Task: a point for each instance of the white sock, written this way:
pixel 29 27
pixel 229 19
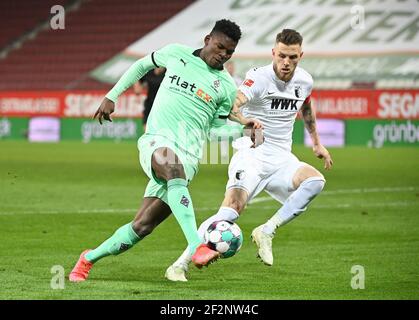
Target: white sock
pixel 295 204
pixel 224 213
pixel 184 259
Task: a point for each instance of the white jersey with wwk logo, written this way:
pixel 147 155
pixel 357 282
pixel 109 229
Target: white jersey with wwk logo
pixel 276 104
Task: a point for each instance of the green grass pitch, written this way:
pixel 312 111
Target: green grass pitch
pixel 59 199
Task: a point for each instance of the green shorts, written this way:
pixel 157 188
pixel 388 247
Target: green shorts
pixel 147 144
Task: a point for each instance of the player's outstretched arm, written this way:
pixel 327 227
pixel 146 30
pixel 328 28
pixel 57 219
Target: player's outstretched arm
pixel 253 127
pixel 131 76
pixel 309 117
pixel 236 116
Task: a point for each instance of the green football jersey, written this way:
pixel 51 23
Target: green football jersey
pixel 192 98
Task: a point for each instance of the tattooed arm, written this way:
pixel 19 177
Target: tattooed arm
pixel 235 114
pixel 309 117
pixel 253 127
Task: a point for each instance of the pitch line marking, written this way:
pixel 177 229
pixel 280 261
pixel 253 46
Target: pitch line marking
pixel 347 191
pixel 258 200
pixel 320 206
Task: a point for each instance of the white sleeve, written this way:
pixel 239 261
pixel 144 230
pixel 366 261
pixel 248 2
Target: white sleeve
pixel 252 86
pixel 309 87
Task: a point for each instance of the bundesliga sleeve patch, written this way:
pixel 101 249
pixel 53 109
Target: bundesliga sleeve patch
pixel 248 82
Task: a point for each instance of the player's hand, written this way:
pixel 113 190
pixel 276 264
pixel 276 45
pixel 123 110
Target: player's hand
pixel 322 153
pixel 253 123
pixel 257 137
pixel 254 129
pixel 105 110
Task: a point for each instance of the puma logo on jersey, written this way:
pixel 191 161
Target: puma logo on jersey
pixel 284 104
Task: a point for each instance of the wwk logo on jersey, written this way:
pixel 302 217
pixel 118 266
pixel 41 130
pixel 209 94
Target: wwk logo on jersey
pixel 284 104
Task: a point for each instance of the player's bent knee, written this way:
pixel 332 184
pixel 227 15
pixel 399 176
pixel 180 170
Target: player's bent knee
pixel 175 171
pixel 169 171
pixel 166 165
pixel 304 173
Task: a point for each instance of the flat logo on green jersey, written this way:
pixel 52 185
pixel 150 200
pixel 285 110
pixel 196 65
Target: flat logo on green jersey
pixel 192 87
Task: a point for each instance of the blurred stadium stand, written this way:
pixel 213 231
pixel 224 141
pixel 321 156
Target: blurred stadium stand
pixel 35 57
pixel 16 20
pixel 366 76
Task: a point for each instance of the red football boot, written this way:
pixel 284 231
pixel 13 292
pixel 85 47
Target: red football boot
pixel 81 270
pixel 204 255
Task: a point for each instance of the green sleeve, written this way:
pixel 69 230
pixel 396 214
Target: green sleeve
pixel 218 121
pixel 161 56
pixel 225 131
pixel 132 75
pixel 219 126
pixel 157 59
pixel 221 115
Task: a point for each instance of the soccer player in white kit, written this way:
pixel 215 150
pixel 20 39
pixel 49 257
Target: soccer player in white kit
pixel 273 94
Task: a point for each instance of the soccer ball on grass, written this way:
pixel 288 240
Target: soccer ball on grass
pixel 225 237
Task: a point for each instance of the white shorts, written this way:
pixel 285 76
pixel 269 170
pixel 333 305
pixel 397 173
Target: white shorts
pixel 253 171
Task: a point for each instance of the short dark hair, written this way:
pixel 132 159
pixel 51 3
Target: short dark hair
pixel 229 28
pixel 289 37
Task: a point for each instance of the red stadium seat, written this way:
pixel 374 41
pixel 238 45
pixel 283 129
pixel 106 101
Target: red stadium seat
pixel 94 33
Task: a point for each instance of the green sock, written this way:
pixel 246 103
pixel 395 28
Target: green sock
pixel 181 204
pixel 123 239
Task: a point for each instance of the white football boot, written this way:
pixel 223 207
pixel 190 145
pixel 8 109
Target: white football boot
pixel 264 244
pixel 177 272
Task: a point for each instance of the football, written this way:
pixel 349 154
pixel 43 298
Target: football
pixel 225 237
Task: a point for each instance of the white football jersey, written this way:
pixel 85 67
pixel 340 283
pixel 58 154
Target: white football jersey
pixel 275 103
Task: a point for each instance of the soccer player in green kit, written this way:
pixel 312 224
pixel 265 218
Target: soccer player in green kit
pixel 195 95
